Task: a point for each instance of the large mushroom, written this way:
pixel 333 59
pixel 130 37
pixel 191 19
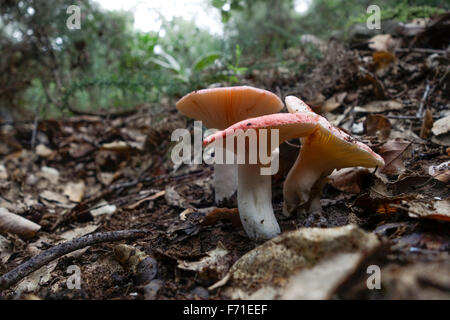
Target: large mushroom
pixel 327 148
pixel 219 108
pixel 254 188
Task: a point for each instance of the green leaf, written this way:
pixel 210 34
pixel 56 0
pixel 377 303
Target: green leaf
pixel 206 60
pixel 169 63
pixel 225 16
pixel 218 3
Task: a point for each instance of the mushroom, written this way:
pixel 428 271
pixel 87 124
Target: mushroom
pixel 254 188
pixel 327 148
pixel 219 108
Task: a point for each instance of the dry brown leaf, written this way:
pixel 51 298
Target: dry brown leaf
pixel 15 224
pixel 173 198
pixel 440 172
pixel 382 60
pixel 212 267
pixel 377 86
pixel 427 124
pixel 377 125
pixel 80 150
pixel 394 152
pixel 3 173
pixel 349 179
pixel 219 214
pixel 43 151
pixel 53 197
pixel 6 249
pixel 380 106
pixel 334 102
pixel 436 209
pixel 75 191
pixel 38 278
pixel 441 126
pixel 51 174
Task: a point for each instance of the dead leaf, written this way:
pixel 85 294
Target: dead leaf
pixel 334 102
pixel 427 124
pixel 75 191
pixel 103 208
pixel 80 150
pixel 437 209
pixel 440 172
pixel 380 106
pixel 394 152
pixel 15 224
pixel 43 151
pixel 441 126
pixel 35 280
pixel 218 214
pixel 106 178
pixel 349 179
pixel 273 270
pixel 3 173
pixel 173 198
pixel 321 281
pixel 212 267
pixel 78 232
pixel 6 250
pixel 53 197
pixel 382 61
pixel 51 174
pixel 377 86
pixel 377 125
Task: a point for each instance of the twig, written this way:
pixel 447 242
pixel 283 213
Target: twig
pixel 409 117
pixel 421 50
pixel 398 155
pixel 21 271
pixel 35 127
pixel 419 113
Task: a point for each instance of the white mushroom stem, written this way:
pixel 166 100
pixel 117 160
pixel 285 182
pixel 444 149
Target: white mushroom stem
pixel 225 181
pixel 303 185
pixel 255 202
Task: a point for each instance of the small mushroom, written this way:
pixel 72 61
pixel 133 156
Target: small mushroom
pixel 219 108
pixel 254 189
pixel 327 148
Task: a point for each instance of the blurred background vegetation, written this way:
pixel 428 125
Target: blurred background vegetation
pixel 49 70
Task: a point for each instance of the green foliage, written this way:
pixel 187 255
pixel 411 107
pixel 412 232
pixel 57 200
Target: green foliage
pixel 187 75
pixel 47 68
pixel 402 12
pixel 235 69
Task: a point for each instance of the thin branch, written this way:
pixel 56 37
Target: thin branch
pixel 21 271
pixel 419 113
pixel 421 50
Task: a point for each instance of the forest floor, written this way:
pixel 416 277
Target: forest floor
pixel 107 172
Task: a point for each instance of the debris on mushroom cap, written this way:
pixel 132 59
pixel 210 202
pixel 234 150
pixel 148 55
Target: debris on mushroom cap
pixel 291 125
pixel 220 108
pixel 338 143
